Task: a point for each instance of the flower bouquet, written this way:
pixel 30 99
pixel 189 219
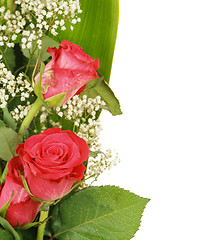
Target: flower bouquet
pixel 55 63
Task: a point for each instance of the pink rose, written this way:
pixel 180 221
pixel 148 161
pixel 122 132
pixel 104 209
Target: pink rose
pixel 22 209
pixel 69 69
pixel 52 162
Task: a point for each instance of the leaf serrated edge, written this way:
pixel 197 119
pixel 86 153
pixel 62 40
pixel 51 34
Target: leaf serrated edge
pixel 108 186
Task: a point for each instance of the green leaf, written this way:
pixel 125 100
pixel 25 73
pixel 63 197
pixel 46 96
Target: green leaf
pixel 29 225
pixel 105 212
pixel 4 235
pixel 29 234
pixel 98 87
pixel 37 89
pixel 25 184
pixel 10 58
pixel 47 42
pixel 56 100
pixel 9 228
pixel 8 119
pixel 9 140
pixel 41 53
pixel 97 31
pixel 2 124
pixel 4 208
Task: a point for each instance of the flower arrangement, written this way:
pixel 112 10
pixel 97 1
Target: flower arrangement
pixel 52 92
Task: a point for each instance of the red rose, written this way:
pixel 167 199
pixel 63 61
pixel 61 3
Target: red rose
pixel 69 69
pixel 52 162
pixel 22 209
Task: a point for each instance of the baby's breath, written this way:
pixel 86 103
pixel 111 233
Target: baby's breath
pixel 33 18
pixel 12 87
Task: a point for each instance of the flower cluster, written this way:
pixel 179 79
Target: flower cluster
pixel 12 86
pixel 33 19
pixel 81 112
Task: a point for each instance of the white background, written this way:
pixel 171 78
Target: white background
pixel 158 76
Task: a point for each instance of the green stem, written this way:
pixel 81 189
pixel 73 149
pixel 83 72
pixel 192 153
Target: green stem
pixel 41 228
pixel 31 114
pixel 26 122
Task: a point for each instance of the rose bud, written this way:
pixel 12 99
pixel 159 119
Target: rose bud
pixel 22 209
pixel 52 162
pixel 68 71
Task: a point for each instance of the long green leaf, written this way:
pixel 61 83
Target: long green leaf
pixel 105 212
pixel 97 31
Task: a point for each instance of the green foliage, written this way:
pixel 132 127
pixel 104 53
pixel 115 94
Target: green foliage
pixel 97 32
pixel 56 100
pixel 2 124
pixel 105 212
pixel 100 87
pixel 4 235
pixel 9 140
pixel 29 234
pixel 8 119
pixel 9 229
pixel 9 57
pixel 47 42
pixel 42 53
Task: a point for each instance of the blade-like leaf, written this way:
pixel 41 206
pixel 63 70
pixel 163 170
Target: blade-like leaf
pixel 97 31
pixel 9 141
pixel 106 212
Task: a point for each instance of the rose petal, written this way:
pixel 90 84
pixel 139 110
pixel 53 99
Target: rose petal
pixel 22 213
pixel 49 190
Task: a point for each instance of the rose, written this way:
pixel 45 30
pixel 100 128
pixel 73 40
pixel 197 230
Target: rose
pixel 69 70
pixel 52 162
pixel 22 209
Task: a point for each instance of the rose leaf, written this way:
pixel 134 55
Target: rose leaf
pixel 9 57
pixel 98 87
pixel 2 124
pixel 42 53
pixel 5 235
pixel 8 119
pixel 9 229
pixel 105 212
pixel 9 140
